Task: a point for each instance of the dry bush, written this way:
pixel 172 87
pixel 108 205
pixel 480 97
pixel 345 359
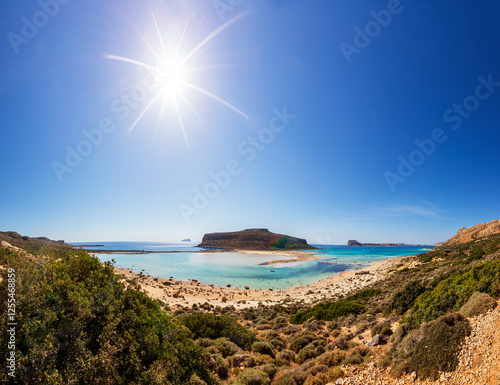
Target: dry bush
pixel 478 303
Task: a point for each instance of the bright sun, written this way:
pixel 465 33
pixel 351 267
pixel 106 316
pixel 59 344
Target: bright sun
pixel 170 74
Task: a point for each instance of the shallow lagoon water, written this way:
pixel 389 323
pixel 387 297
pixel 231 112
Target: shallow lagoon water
pixel 232 268
pixel 239 270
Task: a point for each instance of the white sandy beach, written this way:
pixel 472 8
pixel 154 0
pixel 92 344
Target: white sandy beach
pixel 188 293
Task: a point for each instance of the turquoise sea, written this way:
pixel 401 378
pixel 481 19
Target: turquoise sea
pixel 239 270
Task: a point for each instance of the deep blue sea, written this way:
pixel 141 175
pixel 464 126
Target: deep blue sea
pixel 239 270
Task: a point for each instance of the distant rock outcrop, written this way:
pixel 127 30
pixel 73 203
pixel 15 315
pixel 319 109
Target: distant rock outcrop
pixel 253 239
pixel 466 234
pixel 356 243
pixel 186 240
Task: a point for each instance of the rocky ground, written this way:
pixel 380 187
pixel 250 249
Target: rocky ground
pixel 479 360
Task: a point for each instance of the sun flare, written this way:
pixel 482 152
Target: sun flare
pixel 170 76
pixel 170 72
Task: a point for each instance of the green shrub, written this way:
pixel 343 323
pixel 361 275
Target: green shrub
pixel 335 373
pixel 453 292
pixel 329 311
pixel 251 377
pixel 278 343
pixel 221 366
pixel 270 335
pixel 355 359
pixel 313 325
pixel 298 343
pixel 290 329
pixel 263 348
pixel 331 358
pixel 493 247
pixel 399 334
pixel 478 303
pixel 225 347
pixel 211 326
pixel 288 376
pixel 245 359
pixel 308 352
pixel 341 342
pixel 383 328
pixel 331 326
pixel 196 380
pixel 364 294
pixel 439 347
pixel 320 379
pixel 475 254
pixel 78 324
pixel 280 322
pixel 270 370
pixel 288 355
pixel 405 298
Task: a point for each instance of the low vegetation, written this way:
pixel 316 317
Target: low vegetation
pixel 329 311
pixel 76 323
pixel 81 323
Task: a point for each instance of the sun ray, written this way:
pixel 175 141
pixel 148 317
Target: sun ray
pixel 131 61
pixel 140 35
pixel 216 98
pixel 180 121
pixel 212 35
pixel 181 39
pixel 192 109
pixel 159 36
pixel 197 69
pixel 145 110
pixel 160 115
pixel 169 72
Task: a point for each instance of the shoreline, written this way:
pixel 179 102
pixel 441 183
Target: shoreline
pixel 192 292
pixel 295 255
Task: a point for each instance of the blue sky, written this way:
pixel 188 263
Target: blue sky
pixel 374 120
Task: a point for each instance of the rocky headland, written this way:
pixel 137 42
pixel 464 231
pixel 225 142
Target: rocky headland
pixel 254 239
pixel 467 234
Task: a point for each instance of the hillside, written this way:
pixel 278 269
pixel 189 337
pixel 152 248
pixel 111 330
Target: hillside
pixel 253 239
pixel 466 234
pixel 31 244
pixel 76 322
pixel 421 322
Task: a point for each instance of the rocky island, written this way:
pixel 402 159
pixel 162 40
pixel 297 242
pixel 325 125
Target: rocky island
pixel 254 239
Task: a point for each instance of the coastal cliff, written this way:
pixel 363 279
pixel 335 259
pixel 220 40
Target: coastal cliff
pixel 466 234
pixel 254 239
